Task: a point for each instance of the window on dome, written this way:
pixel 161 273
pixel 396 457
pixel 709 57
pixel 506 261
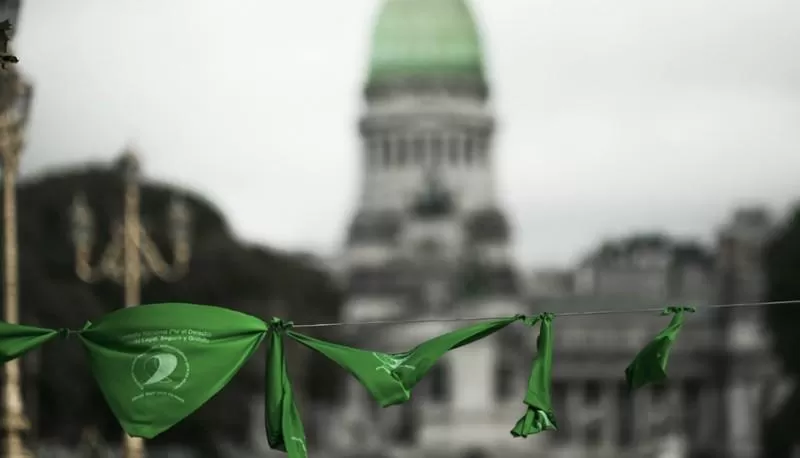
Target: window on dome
pixel 592 392
pixel 504 388
pixel 481 152
pixel 453 150
pixel 372 152
pixel 560 392
pixel 659 393
pixel 387 152
pixel 594 433
pixel 475 453
pixel 439 383
pixel 436 150
pixel 469 150
pixel 693 415
pixel 402 151
pixel 627 415
pixel 406 433
pixel 428 248
pixel 419 150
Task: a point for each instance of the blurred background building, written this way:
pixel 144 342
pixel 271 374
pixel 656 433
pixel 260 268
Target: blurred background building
pixel 429 240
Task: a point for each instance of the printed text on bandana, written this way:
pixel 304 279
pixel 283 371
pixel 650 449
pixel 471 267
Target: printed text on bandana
pixel 163 368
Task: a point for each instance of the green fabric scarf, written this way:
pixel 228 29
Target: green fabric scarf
pixel 650 365
pixel 284 427
pixel 539 415
pixel 390 377
pixel 16 339
pixel 156 364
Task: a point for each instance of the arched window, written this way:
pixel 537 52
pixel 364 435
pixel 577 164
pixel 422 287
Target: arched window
pixel 419 150
pixel 387 152
pixel 627 415
pixel 475 453
pixel 692 414
pixel 437 150
pixel 406 432
pixel 440 389
pixel 453 150
pixel 402 150
pixel 372 152
pixel 504 380
pixel 659 392
pixel 594 433
pixel 592 392
pixel 469 150
pixel 559 392
pixel 481 150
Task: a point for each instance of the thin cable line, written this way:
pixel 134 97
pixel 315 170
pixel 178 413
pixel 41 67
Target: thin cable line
pixel 585 313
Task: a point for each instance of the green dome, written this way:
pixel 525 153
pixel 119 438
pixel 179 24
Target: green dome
pixel 425 37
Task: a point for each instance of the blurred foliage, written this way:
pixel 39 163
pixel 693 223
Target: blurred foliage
pixel 61 395
pixel 783 283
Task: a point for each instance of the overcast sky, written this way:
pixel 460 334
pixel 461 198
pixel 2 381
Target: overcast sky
pixel 613 116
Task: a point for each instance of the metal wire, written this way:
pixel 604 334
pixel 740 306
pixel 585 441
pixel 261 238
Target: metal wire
pixel 584 313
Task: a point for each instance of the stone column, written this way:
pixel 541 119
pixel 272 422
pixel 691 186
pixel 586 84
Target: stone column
pixel 354 396
pixel 575 407
pixel 743 405
pixel 738 419
pixel 457 163
pixel 393 181
pixel 369 168
pixel 610 406
pixel 642 402
pixel 357 416
pixel 258 441
pixel 674 412
pixel 706 412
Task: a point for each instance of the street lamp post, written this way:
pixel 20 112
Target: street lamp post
pixel 12 125
pixel 6 56
pixel 92 445
pixel 131 256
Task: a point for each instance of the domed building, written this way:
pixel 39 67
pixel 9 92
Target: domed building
pixel 429 239
pixel 428 194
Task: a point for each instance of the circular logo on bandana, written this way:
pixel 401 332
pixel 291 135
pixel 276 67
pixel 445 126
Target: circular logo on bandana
pixel 159 371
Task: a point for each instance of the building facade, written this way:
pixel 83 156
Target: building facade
pixel 751 385
pixel 429 240
pixel 711 405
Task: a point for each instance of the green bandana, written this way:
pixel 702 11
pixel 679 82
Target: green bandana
pixel 156 364
pixel 284 427
pixel 650 365
pixel 16 339
pixel 539 415
pixel 390 377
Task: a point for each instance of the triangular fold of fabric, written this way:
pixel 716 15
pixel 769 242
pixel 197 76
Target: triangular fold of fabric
pixel 650 364
pixel 17 339
pixel 390 377
pixel 156 364
pixel 539 415
pixel 284 426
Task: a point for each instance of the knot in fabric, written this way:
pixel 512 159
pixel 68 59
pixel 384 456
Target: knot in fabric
pixel 674 310
pixel 532 320
pixel 280 326
pixel 547 316
pixel 65 333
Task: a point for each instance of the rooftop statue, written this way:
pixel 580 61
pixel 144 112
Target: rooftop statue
pixel 6 31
